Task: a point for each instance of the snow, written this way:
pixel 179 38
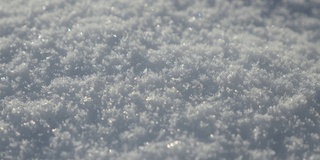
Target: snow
pixel 182 79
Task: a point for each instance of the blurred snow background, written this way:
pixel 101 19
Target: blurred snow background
pixel 144 79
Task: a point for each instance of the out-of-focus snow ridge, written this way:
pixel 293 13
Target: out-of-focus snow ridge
pixel 159 80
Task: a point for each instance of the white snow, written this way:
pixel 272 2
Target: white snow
pixel 180 79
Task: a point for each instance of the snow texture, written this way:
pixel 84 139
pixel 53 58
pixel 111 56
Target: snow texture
pixel 144 79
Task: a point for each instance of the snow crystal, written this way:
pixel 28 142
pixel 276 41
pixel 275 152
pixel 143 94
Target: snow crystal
pixel 145 79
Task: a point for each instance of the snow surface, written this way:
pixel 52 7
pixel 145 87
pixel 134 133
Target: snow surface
pixel 144 79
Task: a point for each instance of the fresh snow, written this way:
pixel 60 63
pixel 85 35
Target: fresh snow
pixel 143 79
